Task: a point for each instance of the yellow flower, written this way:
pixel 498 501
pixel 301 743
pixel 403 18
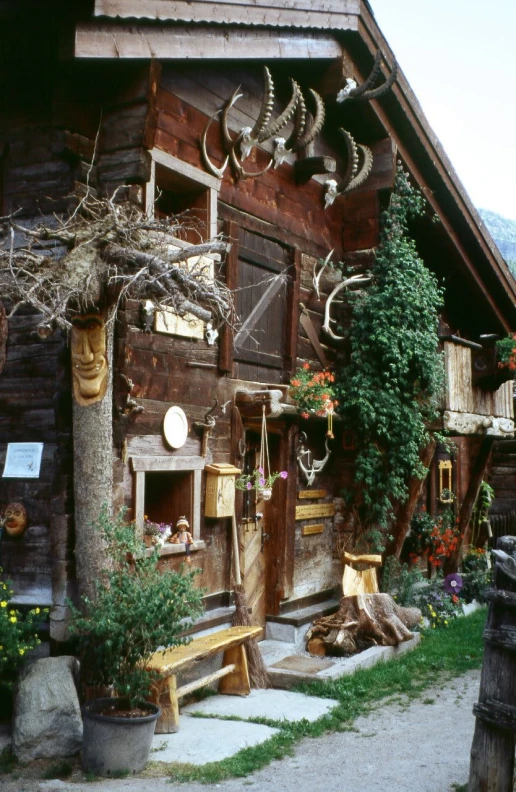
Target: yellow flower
pixel 446 621
pixel 21 651
pixel 37 610
pixel 13 619
pixel 3 604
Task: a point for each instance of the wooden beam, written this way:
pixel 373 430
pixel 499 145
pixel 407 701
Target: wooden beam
pixel 103 40
pixel 406 511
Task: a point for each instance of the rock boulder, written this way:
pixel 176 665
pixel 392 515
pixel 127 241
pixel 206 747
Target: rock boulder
pixel 47 719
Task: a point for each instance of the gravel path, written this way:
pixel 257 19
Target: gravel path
pixel 403 746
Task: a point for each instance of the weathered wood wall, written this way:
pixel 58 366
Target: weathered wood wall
pixel 35 406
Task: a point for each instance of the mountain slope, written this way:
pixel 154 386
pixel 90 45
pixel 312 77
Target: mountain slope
pixel 503 232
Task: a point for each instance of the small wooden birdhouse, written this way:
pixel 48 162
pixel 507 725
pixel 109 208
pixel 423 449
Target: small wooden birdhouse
pixel 220 489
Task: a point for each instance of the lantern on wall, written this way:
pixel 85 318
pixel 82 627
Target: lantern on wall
pixel 445 481
pixel 220 489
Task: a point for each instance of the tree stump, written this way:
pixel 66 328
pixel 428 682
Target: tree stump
pixel 362 621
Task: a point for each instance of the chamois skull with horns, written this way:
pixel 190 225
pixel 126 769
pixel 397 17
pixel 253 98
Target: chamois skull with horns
pixel 265 128
pixel 359 161
pixel 367 91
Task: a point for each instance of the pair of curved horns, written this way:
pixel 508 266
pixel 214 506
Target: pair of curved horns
pixel 354 175
pixel 367 90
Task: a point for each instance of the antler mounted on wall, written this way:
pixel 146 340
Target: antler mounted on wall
pixel 358 167
pixel 367 91
pixel 238 148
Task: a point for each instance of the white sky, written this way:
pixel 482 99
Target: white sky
pixel 459 57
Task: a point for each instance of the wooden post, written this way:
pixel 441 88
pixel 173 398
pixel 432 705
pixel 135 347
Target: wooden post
pixel 492 749
pixel 164 694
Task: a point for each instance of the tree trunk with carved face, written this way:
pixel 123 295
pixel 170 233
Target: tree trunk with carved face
pixel 92 375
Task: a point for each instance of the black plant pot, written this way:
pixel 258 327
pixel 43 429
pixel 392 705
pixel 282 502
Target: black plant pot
pixel 113 745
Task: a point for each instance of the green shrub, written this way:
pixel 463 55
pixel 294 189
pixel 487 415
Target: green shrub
pixel 137 609
pixel 18 634
pixel 400 580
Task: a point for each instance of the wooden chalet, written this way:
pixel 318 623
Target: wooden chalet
pixel 153 94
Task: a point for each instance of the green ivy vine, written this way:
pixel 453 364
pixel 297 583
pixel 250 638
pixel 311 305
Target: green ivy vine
pixel 390 390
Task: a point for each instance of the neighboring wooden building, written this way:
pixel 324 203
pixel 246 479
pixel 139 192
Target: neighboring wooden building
pixel 114 93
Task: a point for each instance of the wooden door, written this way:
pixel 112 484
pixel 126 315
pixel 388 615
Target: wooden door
pixel 258 538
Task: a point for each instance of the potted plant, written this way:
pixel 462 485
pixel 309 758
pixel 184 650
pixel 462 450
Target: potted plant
pixel 137 609
pixel 155 533
pixel 313 393
pixel 259 481
pixel 506 353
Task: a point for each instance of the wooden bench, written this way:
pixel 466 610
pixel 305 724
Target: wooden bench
pixel 233 676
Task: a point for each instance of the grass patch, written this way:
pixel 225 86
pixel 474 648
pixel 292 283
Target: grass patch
pixel 7 761
pixel 442 655
pixel 61 769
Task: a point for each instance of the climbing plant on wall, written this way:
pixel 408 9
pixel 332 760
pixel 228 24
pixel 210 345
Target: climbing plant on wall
pixel 389 392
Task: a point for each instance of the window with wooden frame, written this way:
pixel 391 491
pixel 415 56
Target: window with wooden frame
pixel 177 188
pixel 263 275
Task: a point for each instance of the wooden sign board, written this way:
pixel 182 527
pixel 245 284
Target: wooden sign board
pixel 308 530
pixel 312 494
pixel 314 510
pixel 170 323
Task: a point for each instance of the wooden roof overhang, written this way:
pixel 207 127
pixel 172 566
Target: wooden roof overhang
pixel 173 29
pixel 402 117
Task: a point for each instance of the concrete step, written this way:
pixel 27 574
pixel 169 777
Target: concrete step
pixel 288 665
pixel 292 627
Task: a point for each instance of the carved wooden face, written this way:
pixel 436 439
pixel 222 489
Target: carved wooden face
pixel 89 363
pixel 15 516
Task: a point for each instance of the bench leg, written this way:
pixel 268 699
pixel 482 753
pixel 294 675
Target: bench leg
pixel 163 694
pixel 236 683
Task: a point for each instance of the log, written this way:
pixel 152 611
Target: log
pixel 362 621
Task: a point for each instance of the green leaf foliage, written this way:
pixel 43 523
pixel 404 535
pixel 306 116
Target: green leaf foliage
pixel 390 390
pixel 137 609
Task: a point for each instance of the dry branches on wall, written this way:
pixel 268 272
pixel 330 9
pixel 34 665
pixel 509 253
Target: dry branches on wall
pixel 103 252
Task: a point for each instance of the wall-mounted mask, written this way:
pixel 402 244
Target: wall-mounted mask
pixel 89 363
pixel 15 519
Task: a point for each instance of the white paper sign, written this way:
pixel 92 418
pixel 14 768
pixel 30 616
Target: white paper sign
pixel 23 460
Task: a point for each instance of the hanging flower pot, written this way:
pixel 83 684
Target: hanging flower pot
pixel 265 493
pixel 261 479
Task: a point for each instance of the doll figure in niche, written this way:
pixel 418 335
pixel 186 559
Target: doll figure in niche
pixel 183 536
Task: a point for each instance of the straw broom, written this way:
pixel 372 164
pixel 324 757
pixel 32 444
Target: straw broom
pixel 258 675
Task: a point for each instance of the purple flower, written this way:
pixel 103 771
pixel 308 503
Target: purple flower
pixel 262 482
pixel 260 470
pixel 452 583
pixel 284 474
pixel 249 485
